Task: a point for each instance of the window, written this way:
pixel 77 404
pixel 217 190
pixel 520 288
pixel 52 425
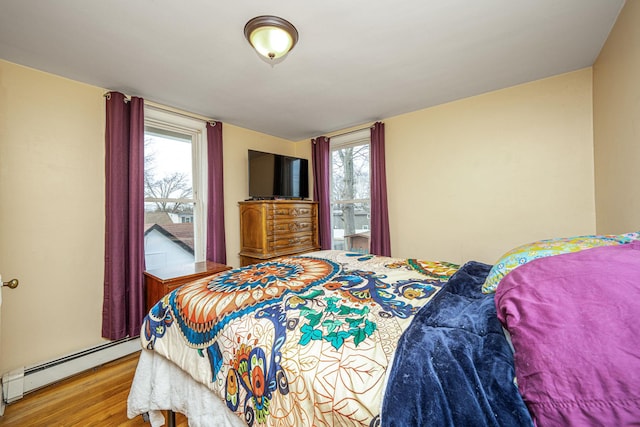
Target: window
pixel 174 187
pixel 350 191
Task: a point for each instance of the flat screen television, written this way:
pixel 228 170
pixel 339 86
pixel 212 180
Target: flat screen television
pixel 275 176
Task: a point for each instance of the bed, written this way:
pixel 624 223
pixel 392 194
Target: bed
pixel 334 338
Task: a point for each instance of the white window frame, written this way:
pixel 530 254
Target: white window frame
pixel 349 139
pixel 197 130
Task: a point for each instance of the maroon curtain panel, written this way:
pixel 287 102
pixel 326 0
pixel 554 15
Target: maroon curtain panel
pixel 216 246
pixel 123 305
pixel 380 240
pixel 320 152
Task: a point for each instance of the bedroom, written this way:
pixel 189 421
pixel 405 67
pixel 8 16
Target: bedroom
pixel 582 125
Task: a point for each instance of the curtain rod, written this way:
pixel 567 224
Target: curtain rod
pixel 350 132
pixel 171 110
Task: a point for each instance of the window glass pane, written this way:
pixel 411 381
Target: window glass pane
pixel 169 205
pixel 350 172
pixel 350 198
pixel 168 171
pixel 167 241
pixel 350 222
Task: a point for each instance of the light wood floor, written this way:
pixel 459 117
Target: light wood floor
pixel 94 398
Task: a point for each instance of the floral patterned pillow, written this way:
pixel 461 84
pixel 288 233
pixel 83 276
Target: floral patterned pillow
pixel 543 248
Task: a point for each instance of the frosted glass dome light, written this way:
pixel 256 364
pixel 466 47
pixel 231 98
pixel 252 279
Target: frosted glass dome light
pixel 271 36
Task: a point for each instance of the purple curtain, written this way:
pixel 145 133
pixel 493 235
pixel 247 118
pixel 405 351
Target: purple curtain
pixel 216 247
pixel 124 298
pixel 380 241
pixel 320 152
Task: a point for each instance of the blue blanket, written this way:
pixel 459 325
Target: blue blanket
pixel 453 365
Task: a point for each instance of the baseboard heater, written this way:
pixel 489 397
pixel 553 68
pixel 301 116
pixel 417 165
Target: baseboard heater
pixel 21 381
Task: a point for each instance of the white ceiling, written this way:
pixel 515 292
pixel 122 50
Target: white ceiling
pixel 357 61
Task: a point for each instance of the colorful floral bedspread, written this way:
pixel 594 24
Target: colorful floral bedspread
pixel 298 341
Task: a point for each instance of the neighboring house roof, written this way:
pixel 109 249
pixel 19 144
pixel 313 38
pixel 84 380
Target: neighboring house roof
pixel 162 218
pixel 181 234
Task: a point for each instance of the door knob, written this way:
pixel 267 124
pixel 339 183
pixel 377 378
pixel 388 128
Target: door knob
pixel 12 284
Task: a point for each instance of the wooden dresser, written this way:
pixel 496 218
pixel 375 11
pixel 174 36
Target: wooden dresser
pixel 273 228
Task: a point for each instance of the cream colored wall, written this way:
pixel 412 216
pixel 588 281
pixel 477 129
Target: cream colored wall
pixel 51 214
pixel 470 179
pixel 237 141
pixel 616 100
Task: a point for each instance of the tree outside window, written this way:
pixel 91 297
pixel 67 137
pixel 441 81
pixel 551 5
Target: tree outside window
pixel 167 174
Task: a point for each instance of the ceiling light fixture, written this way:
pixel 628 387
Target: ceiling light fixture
pixel 272 37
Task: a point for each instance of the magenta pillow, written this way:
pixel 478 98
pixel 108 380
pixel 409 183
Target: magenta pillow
pixel 574 321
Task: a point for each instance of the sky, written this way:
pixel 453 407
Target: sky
pixel 169 155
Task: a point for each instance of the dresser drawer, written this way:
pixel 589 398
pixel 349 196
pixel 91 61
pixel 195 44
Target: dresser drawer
pixel 289 211
pixel 294 241
pixel 280 227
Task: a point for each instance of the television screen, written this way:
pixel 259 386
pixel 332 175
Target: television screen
pixel 277 176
